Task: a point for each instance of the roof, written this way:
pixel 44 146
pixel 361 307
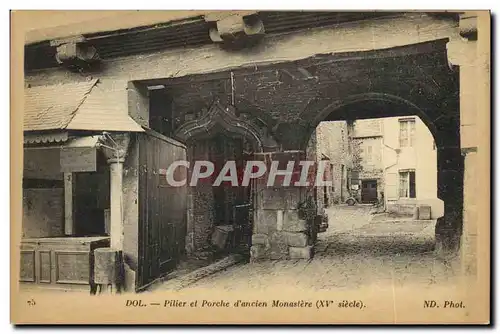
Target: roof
pixel 137 32
pixel 77 106
pixel 53 107
pixel 43 25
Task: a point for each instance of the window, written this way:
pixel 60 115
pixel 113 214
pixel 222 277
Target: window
pixel 406 132
pixel 369 154
pixel 407 184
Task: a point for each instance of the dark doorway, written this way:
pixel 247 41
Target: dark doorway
pixel 369 191
pixel 412 185
pixel 231 203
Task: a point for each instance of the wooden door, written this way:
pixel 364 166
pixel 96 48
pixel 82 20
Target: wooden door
pixel 369 191
pixel 162 209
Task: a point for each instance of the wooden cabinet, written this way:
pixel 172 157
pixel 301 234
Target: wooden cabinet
pixel 60 263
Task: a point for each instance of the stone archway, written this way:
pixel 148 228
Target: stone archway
pixel 413 78
pixel 450 164
pixel 326 112
pixel 220 135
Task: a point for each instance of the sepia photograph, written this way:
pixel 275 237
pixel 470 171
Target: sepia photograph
pixel 250 167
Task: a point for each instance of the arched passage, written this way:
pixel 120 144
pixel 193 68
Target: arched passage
pixel 219 217
pixel 448 167
pixel 286 100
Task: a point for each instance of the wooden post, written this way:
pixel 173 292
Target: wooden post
pixel 69 227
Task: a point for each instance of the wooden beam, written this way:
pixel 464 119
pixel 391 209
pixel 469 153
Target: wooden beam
pixel 71 39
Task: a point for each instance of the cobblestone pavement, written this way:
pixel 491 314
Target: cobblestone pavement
pixel 356 250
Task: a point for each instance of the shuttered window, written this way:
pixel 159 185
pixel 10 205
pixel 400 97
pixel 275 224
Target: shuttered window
pixel 406 132
pixel 407 186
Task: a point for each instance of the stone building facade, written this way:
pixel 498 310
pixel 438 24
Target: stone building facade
pixel 394 156
pixel 329 142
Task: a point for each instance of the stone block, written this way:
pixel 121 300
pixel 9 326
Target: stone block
pixel 129 278
pixel 278 246
pixel 300 252
pixel 272 198
pixel 279 220
pixel 258 252
pixel 292 222
pixel 293 239
pixel 260 239
pixel 190 248
pixel 468 136
pixel 265 221
pixel 292 197
pixel 424 212
pixel 279 198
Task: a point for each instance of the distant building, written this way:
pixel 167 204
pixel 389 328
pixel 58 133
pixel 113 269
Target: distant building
pixel 410 163
pixel 391 158
pixel 366 177
pixel 329 142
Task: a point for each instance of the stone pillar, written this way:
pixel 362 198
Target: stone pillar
pixel 280 231
pixel 450 191
pixel 116 205
pixel 471 54
pixel 115 151
pixel 468 251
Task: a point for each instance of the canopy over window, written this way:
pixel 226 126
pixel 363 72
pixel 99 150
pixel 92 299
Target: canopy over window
pixel 78 154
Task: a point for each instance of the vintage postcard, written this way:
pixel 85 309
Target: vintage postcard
pixel 250 167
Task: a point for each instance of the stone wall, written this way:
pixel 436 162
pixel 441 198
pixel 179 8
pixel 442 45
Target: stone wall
pixel 280 230
pixel 131 214
pixel 209 206
pixel 43 213
pixel 332 142
pixel 200 204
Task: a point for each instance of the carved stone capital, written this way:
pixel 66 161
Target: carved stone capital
pixel 75 52
pixel 461 53
pixel 233 27
pixel 115 147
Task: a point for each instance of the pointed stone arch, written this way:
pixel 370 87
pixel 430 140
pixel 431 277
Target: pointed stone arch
pixel 223 120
